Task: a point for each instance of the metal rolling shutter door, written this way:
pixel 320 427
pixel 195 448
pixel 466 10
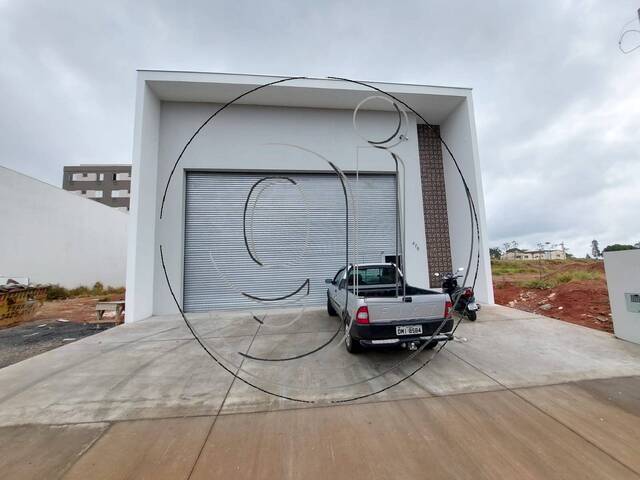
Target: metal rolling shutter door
pixel 297 236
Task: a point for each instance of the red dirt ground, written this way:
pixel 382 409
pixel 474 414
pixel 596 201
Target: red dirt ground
pixel 78 310
pixel 57 323
pixel 581 302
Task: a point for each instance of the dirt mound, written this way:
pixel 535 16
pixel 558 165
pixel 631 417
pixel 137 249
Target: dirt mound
pixel 582 302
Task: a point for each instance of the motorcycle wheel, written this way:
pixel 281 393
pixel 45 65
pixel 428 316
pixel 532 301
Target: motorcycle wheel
pixel 471 315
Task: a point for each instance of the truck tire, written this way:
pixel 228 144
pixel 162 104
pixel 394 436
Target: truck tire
pixel 472 315
pixel 330 310
pixel 353 345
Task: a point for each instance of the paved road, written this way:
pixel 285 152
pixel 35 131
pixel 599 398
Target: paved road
pixel 33 338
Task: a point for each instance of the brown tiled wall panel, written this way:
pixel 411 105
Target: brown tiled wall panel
pixel 434 200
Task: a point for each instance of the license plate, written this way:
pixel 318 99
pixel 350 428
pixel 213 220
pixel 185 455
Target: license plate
pixel 472 307
pixel 409 330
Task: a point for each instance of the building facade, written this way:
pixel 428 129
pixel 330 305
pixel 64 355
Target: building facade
pixel 106 184
pixel 249 204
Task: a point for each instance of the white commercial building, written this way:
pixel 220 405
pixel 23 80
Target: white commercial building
pixel 246 202
pixel 52 236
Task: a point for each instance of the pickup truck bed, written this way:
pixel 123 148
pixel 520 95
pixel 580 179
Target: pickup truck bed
pixel 377 292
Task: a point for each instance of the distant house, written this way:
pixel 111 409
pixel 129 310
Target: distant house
pixel 519 254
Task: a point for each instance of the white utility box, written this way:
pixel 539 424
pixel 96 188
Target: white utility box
pixel 633 302
pixel 623 281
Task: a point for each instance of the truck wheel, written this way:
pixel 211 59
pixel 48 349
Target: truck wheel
pixel 472 315
pixel 353 345
pixel 330 310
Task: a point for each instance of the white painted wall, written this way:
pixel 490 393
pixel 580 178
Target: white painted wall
pixel 239 141
pixel 623 276
pixel 141 259
pixel 458 131
pixel 54 236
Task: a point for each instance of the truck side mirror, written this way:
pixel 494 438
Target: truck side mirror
pixel 328 281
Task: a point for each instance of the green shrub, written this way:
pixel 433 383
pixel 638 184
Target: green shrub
pixel 508 267
pixel 561 278
pixel 565 277
pixel 56 292
pixel 539 284
pixel 581 275
pixel 81 291
pixel 115 290
pixel 576 276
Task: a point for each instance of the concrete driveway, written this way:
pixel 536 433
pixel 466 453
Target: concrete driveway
pixel 514 396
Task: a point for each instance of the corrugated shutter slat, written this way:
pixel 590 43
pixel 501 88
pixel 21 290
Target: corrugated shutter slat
pixel 213 230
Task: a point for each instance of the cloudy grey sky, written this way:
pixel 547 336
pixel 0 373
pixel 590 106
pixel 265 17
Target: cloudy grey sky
pixel 557 104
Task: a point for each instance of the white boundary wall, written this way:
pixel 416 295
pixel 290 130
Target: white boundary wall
pixel 53 236
pixel 623 276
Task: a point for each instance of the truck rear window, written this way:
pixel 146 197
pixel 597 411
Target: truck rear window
pixel 382 275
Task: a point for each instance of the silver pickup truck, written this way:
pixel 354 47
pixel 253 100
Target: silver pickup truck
pixel 379 309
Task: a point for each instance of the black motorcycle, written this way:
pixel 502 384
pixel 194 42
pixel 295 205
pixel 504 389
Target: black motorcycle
pixel 461 297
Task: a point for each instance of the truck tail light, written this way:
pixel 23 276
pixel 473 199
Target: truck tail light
pixel 362 317
pixel 447 308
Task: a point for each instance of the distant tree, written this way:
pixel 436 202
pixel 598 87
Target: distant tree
pixel 510 246
pixel 595 249
pixel 616 247
pixel 565 250
pixel 495 253
pixel 636 245
pixel 587 256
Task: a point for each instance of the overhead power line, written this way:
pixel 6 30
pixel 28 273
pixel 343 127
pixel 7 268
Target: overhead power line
pixel 626 30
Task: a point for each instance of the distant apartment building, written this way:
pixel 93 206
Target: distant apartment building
pixel 107 184
pixel 518 254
